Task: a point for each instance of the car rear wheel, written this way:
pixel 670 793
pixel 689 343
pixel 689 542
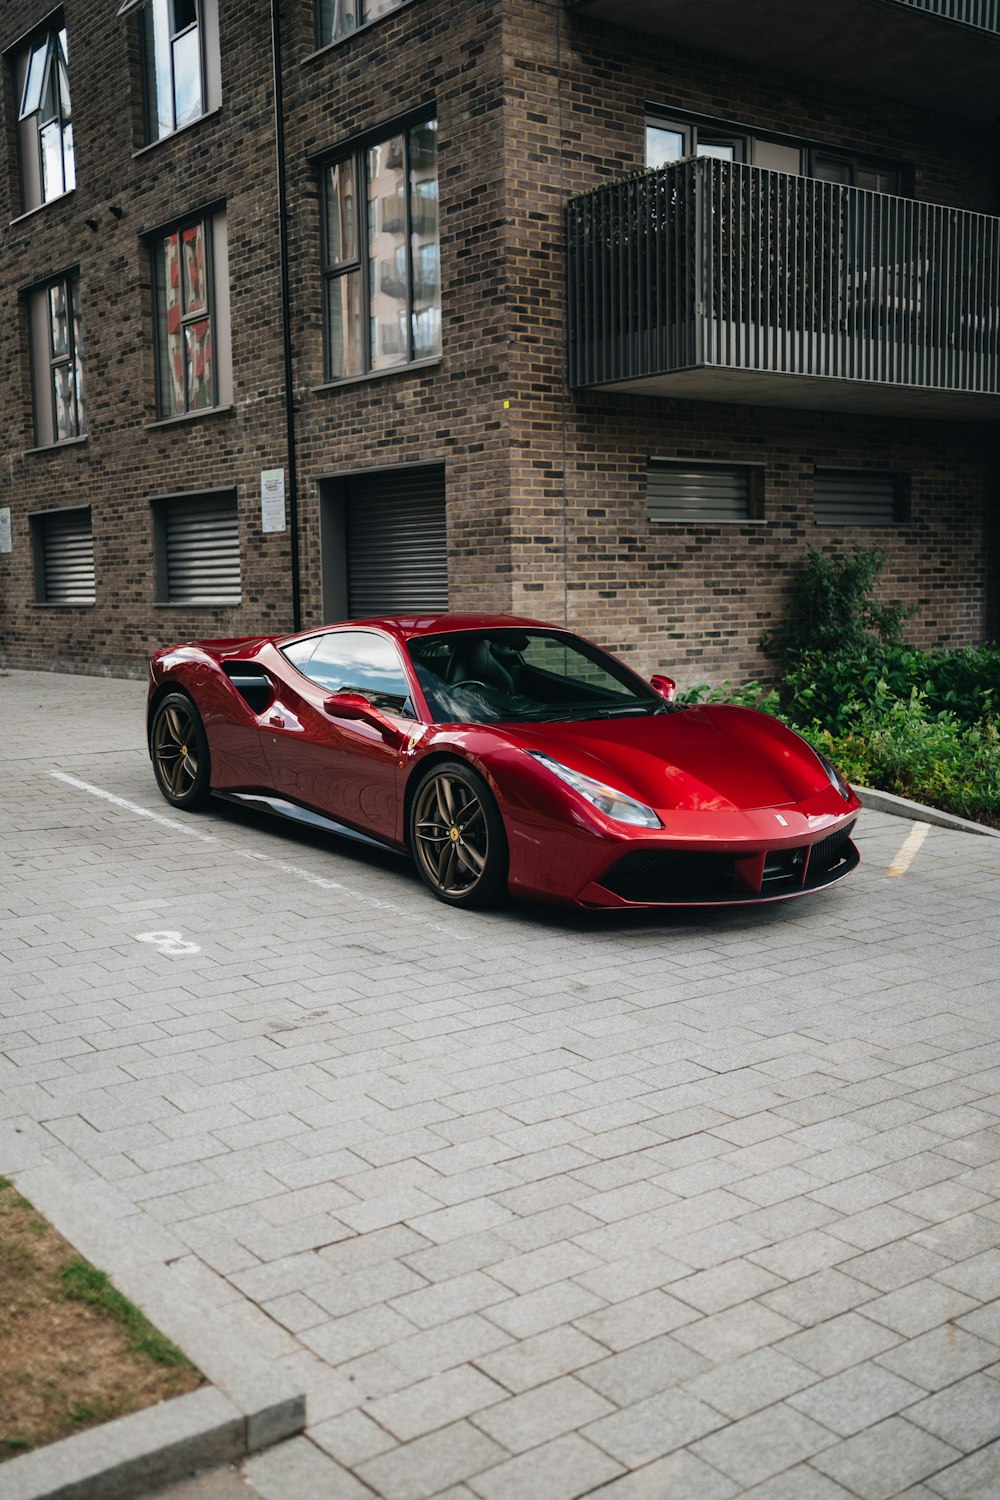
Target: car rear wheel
pixel 457 837
pixel 179 748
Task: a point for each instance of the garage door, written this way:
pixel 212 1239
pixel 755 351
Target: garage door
pixel 397 556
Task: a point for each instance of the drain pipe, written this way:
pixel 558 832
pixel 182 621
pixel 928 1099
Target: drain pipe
pixel 286 325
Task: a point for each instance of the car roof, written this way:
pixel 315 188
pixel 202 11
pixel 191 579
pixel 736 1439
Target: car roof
pixel 406 627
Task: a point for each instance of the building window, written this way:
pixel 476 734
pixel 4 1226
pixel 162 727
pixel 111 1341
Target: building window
pixel 702 493
pixel 179 55
pixel 56 337
pixel 669 140
pixel 63 546
pixel 191 301
pixel 860 497
pixel 336 19
pixel 45 126
pixel 197 544
pixel 381 254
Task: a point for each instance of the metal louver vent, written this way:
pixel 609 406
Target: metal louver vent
pixel 698 492
pixel 67 544
pixel 397 552
pixel 842 498
pixel 201 541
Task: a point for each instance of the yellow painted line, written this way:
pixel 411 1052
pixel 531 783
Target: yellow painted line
pixel 907 853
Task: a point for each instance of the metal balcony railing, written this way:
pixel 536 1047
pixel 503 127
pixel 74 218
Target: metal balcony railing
pixel 984 13
pixel 712 263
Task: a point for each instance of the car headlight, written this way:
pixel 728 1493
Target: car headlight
pixel 608 801
pixel 833 775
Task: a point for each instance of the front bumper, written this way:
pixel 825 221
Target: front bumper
pixel 701 859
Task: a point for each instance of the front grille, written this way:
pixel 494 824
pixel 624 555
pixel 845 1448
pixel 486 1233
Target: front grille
pixel 829 852
pixel 651 875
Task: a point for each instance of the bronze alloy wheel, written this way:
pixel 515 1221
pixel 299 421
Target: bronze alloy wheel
pixel 180 751
pixel 457 837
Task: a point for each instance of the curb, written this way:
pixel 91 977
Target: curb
pixel 250 1403
pixel 902 807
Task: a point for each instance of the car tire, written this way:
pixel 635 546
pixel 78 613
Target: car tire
pixel 179 749
pixel 457 836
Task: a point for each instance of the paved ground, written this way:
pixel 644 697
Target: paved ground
pixel 537 1206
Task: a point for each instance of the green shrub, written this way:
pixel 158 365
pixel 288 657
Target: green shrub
pixel 832 609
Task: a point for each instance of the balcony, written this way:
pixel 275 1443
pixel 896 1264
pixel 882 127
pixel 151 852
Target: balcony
pixel 938 55
pixel 710 280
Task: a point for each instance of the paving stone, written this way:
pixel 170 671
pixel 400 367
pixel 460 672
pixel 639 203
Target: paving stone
pixel 634 1321
pixel 940 1357
pixel 920 1305
pixel 417 1470
pixel 298 1470
pixel 760 1445
pixel 973 1478
pixel 537 1360
pixel 678 1475
pixel 745 1385
pixel 856 1398
pixel 643 1370
pixel 543 1413
pixel 885 1459
pixel 436 1402
pixel 966 1415
pixel 648 1429
pixel 561 1470
pixel 839 1344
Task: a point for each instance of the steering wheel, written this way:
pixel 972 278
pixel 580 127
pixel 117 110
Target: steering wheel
pixel 471 682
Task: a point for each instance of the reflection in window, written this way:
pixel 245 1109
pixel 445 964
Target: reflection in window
pixel 382 285
pixel 356 661
pixel 44 120
pixel 57 362
pixel 172 65
pixel 182 271
pixel 338 18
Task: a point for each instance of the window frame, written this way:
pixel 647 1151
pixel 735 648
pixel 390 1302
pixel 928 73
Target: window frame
pixel 901 496
pixel 322 43
pixel 355 152
pixel 159 507
pixel 692 126
pixel 44 361
pixel 52 35
pixel 213 222
pixel 38 521
pixel 755 474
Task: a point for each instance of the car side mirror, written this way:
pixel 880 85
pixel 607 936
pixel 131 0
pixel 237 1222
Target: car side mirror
pixel 356 707
pixel 665 686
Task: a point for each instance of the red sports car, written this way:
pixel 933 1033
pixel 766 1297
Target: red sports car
pixel 503 754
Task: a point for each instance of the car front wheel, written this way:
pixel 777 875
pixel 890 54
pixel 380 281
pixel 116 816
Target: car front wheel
pixel 179 748
pixel 457 836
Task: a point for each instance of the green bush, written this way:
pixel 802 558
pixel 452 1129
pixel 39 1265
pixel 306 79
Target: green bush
pixel 919 723
pixel 832 609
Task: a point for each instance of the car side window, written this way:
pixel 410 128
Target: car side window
pixel 358 661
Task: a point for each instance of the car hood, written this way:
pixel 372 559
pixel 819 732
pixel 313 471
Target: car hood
pixel 711 758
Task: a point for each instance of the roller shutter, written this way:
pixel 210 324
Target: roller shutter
pixel 397 555
pixel 67 561
pixel 698 493
pixel 201 545
pixel 843 498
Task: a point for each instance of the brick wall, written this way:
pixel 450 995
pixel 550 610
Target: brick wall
pixel 545 487
pixel 694 601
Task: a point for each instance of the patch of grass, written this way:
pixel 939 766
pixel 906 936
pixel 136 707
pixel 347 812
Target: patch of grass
pixel 82 1283
pixel 73 1351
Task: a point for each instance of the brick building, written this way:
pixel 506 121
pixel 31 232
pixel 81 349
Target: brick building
pixel 419 328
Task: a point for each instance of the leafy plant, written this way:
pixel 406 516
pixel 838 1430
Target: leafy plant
pixel 833 608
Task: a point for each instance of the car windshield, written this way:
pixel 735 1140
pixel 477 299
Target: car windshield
pixel 491 676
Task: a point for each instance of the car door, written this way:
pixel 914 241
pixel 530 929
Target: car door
pixel 343 768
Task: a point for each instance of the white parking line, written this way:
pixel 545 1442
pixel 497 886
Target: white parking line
pixel 911 844
pixel 295 871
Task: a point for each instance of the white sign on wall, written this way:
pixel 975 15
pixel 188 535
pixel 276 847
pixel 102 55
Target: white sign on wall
pixel 272 499
pixel 6 543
